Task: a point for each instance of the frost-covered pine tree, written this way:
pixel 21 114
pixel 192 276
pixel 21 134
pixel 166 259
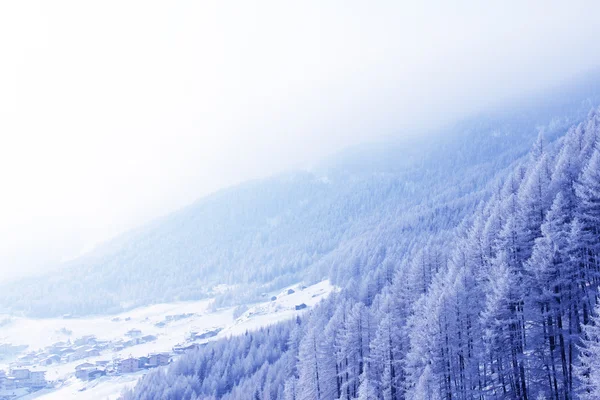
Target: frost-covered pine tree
pixel 586 237
pixel 567 168
pixel 589 370
pixel 496 334
pixel 588 193
pixel 427 360
pixel 551 301
pixel 310 372
pixel 289 390
pixel 367 390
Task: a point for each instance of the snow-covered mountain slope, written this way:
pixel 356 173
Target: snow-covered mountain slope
pixel 345 218
pixel 508 308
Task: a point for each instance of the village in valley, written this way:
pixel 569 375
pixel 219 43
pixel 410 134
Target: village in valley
pixel 43 357
pixel 27 373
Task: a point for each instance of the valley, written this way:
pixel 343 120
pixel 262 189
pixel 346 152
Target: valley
pixel 169 329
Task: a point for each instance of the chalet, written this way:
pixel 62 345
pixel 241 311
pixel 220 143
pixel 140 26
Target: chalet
pixel 195 346
pixel 178 349
pixel 24 377
pixel 132 342
pixel 301 306
pixel 148 338
pixel 96 374
pixel 37 379
pixel 102 345
pixel 84 373
pixel 102 363
pixel 158 359
pixel 143 362
pixel 84 366
pixel 73 356
pixel 66 357
pixel 82 349
pixel 128 365
pixel 79 353
pixel 60 349
pixel 19 373
pixel 207 334
pixel 26 359
pixel 93 352
pixel 291 291
pixel 273 298
pixel 134 333
pixel 53 359
pixel 10 383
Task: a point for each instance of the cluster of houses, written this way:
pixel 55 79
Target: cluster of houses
pixel 89 371
pixel 81 348
pixel 24 372
pixel 22 378
pixel 26 375
pixel 63 352
pixel 193 336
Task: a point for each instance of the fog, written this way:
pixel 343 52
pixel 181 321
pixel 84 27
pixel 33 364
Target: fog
pixel 113 113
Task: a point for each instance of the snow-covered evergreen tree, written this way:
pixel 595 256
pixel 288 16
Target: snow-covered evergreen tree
pixel 589 370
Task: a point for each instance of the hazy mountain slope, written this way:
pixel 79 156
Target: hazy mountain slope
pixel 507 308
pixel 360 209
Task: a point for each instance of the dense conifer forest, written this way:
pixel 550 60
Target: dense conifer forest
pixel 505 307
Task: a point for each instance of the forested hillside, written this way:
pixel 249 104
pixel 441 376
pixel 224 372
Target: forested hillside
pixel 505 308
pixel 346 218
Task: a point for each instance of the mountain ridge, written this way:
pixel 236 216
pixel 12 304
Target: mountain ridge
pixel 267 233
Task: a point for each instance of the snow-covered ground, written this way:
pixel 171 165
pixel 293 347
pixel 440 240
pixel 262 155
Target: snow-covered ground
pixel 39 333
pixel 107 387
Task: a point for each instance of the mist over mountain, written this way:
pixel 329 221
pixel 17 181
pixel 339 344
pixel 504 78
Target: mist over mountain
pixel 351 214
pixel 487 289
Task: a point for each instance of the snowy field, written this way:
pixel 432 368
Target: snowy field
pixel 39 333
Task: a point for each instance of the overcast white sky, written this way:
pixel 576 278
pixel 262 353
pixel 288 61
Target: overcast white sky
pixel 115 112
